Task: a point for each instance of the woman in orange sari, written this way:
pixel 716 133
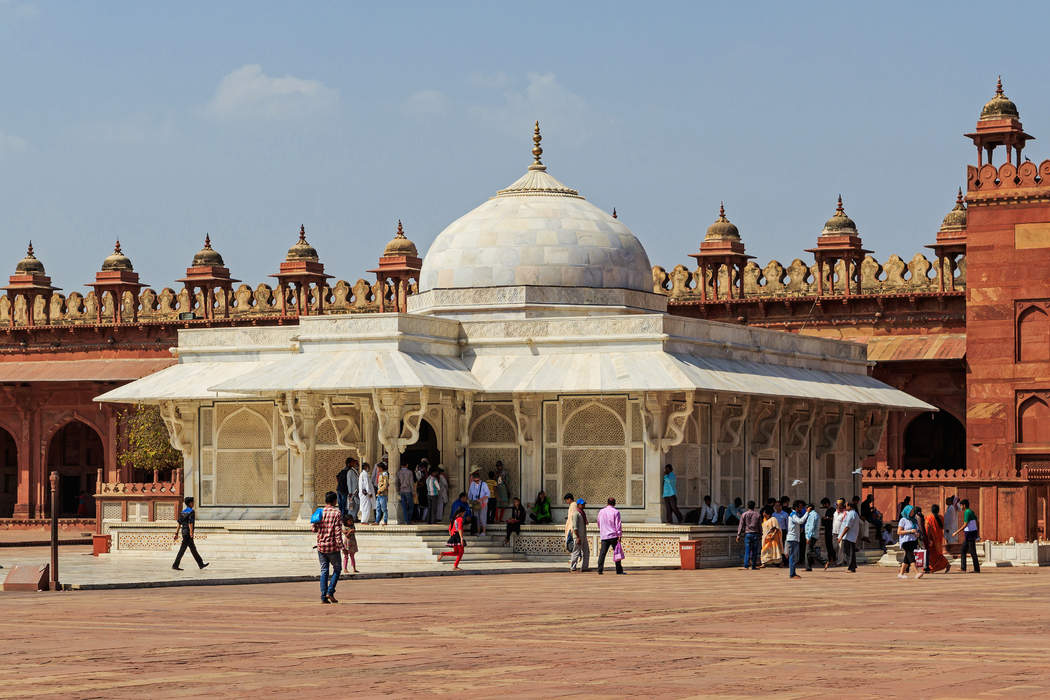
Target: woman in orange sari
pixel 935 559
pixel 772 539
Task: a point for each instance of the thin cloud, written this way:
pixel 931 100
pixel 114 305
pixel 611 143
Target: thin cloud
pixel 247 92
pixel 545 98
pixel 9 143
pixel 426 103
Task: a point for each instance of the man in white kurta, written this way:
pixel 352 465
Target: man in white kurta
pixel 951 520
pixel 366 491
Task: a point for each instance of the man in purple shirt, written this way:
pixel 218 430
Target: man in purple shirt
pixel 751 527
pixel 610 530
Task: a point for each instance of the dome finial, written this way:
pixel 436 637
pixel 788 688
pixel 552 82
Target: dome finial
pixel 116 248
pixel 207 241
pixel 999 86
pixel 959 197
pixel 537 150
pixel 839 209
pixel 302 233
pixel 722 211
pixel 614 213
pixel 400 230
pixel 29 250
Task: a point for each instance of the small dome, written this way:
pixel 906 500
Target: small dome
pixel 955 220
pixel 29 264
pixel 117 261
pixel 400 245
pixel 207 255
pixel 839 224
pixel 302 250
pixel 722 229
pixel 999 107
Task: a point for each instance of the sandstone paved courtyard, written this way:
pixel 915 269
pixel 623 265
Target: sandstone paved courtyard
pixel 720 632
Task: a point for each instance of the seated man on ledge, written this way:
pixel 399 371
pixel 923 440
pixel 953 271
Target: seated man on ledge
pixel 709 512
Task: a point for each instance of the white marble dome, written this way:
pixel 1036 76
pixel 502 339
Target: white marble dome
pixel 536 232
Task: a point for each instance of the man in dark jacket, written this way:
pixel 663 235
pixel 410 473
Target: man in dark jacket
pixel 187 520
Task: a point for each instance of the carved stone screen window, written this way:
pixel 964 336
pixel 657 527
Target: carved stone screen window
pixel 494 437
pixel 593 448
pixel 241 461
pixel 692 458
pixel 329 457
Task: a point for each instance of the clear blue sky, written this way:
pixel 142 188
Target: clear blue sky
pixel 160 122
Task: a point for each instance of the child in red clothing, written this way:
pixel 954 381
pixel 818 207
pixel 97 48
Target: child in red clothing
pixel 455 540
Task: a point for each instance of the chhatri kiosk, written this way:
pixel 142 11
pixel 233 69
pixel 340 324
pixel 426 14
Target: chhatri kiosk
pixel 534 338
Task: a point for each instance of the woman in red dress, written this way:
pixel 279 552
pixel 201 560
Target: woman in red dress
pixel 455 540
pixel 935 559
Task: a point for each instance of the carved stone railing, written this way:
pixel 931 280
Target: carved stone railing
pixel 989 178
pixel 149 501
pixel 882 474
pixel 918 275
pixel 167 305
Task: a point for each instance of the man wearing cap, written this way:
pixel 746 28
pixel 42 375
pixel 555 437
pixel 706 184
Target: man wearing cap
pixel 581 551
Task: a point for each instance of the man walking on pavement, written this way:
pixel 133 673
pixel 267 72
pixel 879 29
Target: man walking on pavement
pixel 329 543
pixel 751 528
pixel 610 530
pixel 187 520
pixel 812 532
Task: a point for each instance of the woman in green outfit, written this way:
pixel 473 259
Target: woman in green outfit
pixel 541 510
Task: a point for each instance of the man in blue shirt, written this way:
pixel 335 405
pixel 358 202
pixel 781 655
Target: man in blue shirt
pixel 187 520
pixel 812 532
pixel 796 522
pixel 671 495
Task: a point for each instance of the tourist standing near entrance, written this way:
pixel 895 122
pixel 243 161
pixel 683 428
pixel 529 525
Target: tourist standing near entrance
pixel 849 531
pixel 751 528
pixel 341 489
pixel 405 486
pixel 827 521
pixel 796 521
pixel 610 530
pixel 433 496
pixel 382 489
pixel 186 523
pixel 581 550
pixel 671 495
pixel 329 542
pixel 478 494
pixel 969 530
pixel 353 502
pixel 443 496
pixel 366 494
pixel 502 490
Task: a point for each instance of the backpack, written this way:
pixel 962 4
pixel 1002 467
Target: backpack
pixel 315 519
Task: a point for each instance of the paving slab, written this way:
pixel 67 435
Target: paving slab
pixel 673 634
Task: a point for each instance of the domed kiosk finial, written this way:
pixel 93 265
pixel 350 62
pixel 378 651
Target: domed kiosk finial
pixel 537 150
pixel 1000 106
pixel 29 264
pixel 117 260
pixel 302 250
pixel 839 224
pixel 400 245
pixel 207 255
pixel 722 229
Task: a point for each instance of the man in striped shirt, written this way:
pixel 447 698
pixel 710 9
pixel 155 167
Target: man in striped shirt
pixel 329 543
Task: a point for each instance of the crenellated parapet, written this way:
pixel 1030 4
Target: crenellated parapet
pixel 169 306
pixel 919 275
pixel 209 294
pixel 1007 180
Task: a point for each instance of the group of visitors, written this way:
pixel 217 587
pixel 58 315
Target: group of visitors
pixel 931 533
pixel 363 490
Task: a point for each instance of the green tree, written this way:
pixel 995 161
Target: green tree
pixel 145 440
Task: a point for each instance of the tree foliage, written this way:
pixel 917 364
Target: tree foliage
pixel 145 440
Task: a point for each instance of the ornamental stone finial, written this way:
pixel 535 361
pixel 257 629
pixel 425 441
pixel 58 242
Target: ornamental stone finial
pixel 537 151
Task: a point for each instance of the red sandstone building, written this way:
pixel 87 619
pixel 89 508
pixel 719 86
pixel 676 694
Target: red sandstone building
pixel 967 331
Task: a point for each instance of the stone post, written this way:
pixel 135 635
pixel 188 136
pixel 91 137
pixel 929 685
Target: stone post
pixel 310 410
